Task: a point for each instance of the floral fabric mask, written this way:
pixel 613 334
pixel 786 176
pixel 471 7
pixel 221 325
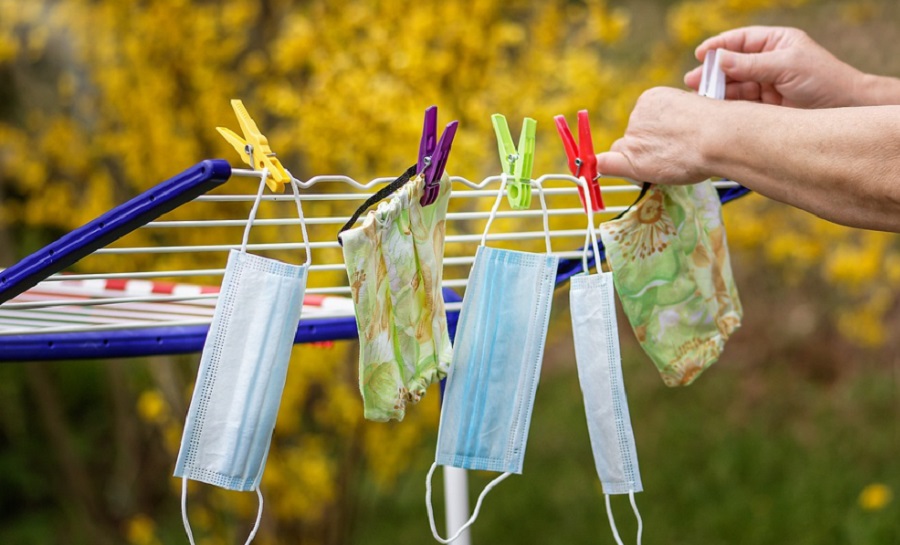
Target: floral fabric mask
pixel 394 265
pixel 670 264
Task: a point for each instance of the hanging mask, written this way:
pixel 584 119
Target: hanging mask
pixel 596 336
pixel 497 354
pixel 394 264
pixel 669 259
pixel 242 371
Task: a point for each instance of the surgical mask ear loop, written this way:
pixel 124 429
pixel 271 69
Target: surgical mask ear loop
pixel 475 512
pixel 294 187
pixel 262 184
pixel 187 525
pixel 493 214
pixel 264 174
pixel 612 522
pixel 546 216
pixel 590 237
pixel 494 208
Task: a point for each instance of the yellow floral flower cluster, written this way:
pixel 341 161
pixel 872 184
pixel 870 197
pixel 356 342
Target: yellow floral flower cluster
pixel 108 98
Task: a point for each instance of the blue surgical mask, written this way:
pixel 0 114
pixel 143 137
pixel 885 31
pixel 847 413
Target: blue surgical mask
pixel 242 371
pixel 496 364
pixel 596 336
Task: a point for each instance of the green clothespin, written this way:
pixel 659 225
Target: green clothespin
pixel 516 163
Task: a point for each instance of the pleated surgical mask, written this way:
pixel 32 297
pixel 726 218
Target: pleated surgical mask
pixel 669 259
pixel 596 336
pixel 496 364
pixel 242 371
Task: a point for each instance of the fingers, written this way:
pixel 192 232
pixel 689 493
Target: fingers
pixel 755 67
pixel 754 39
pixel 614 164
pixel 692 78
pixel 743 90
pixel 769 95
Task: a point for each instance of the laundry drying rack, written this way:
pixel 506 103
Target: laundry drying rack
pixel 55 305
pixel 58 304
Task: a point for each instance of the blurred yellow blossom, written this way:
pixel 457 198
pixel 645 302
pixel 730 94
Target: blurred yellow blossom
pixel 140 530
pixel 152 407
pixel 875 497
pixel 132 93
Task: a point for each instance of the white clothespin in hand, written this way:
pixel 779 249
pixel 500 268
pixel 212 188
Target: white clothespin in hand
pixel 712 80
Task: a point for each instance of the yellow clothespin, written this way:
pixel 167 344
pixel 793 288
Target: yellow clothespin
pixel 254 148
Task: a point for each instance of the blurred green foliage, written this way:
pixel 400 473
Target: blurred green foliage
pixel 792 437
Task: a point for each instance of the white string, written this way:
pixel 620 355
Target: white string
pixel 471 520
pixel 187 525
pixel 496 206
pixel 264 174
pixel 591 235
pixel 258 517
pixel 612 522
pixel 637 514
pixel 302 221
pixel 546 217
pixel 259 192
pixel 184 518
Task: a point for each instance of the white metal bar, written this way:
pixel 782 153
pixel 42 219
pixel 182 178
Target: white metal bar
pixel 522 235
pixel 456 503
pixel 108 327
pixel 340 220
pixel 111 300
pixel 134 275
pixel 78 318
pixel 138 308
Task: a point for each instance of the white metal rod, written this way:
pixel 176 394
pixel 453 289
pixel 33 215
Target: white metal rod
pixel 117 315
pixel 136 309
pixel 110 301
pixel 134 275
pixel 109 327
pixel 456 503
pixel 76 318
pixel 341 220
pixel 521 235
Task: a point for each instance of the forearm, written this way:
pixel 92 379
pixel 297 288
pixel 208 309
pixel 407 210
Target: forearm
pixel 871 90
pixel 840 164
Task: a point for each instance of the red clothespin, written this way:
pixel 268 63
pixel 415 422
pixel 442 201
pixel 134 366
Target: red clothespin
pixel 582 161
pixel 433 154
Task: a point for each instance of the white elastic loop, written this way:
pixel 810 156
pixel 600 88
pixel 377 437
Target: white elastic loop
pixel 471 520
pixel 637 514
pixel 302 221
pixel 546 215
pixel 494 208
pixel 262 184
pixel 591 232
pixel 184 518
pixel 612 522
pixel 258 517
pixel 187 525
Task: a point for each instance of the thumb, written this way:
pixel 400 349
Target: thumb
pixel 613 164
pixel 756 67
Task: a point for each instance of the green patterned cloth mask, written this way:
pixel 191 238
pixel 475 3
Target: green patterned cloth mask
pixel 671 268
pixel 394 263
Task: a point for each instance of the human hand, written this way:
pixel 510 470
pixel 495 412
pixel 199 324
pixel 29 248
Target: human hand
pixel 781 66
pixel 665 139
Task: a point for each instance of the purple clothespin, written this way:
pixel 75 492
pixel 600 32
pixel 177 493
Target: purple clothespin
pixel 433 156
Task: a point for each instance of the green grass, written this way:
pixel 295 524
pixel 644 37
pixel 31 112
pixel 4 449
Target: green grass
pixel 748 454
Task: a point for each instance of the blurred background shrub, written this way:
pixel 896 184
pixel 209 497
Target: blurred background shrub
pixel 791 437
